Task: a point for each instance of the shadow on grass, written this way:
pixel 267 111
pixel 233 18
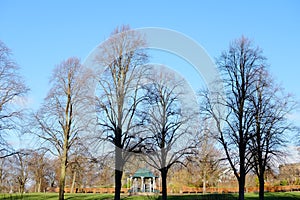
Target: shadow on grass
pixel 276 196
pixel 188 197
pixel 205 197
pixel 248 196
pixel 32 196
pixel 53 196
pixel 89 197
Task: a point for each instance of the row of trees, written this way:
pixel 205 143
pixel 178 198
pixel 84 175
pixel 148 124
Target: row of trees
pixel 139 109
pixel 253 120
pixel 35 171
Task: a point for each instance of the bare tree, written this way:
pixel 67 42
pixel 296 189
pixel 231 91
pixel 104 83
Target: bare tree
pixel 77 161
pixel 240 66
pixel 271 107
pixel 62 117
pixel 169 125
pixel 118 95
pixel 99 172
pixel 12 90
pixel 52 172
pixel 22 169
pixel 39 167
pixel 4 175
pixel 206 160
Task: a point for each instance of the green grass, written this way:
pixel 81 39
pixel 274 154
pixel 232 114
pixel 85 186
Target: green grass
pixel 53 196
pixel 248 196
pixel 275 196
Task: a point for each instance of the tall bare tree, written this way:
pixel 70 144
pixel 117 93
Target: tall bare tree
pixel 12 92
pixel 169 125
pixel 63 116
pixel 240 66
pixel 271 108
pixel 118 96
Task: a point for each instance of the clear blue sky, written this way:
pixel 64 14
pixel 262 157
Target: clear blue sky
pixel 43 33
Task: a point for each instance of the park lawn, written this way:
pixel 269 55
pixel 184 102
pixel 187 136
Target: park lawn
pixel 275 196
pixel 248 196
pixel 54 196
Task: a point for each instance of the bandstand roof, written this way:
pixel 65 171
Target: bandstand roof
pixel 144 172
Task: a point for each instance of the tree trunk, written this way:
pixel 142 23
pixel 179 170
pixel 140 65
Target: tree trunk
pixel 73 182
pixel 242 151
pixel 22 188
pixel 40 185
pixel 242 185
pixel 118 165
pixel 36 186
pixel 62 182
pixel 118 184
pixel 63 174
pixel 204 181
pixel 164 172
pixel 261 187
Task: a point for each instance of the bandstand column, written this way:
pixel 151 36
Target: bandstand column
pixel 135 185
pixel 150 185
pixel 142 186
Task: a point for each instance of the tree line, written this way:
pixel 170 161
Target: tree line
pixel 137 111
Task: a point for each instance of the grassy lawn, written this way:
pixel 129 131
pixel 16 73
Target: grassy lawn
pixel 53 196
